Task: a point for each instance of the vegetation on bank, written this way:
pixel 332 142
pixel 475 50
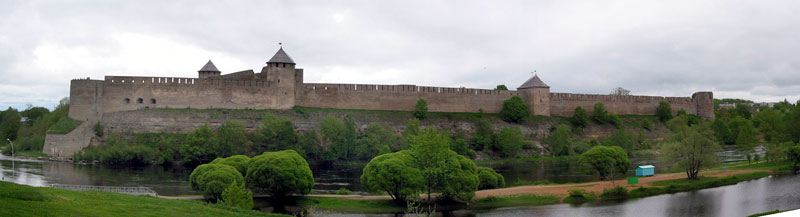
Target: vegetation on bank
pixel 27 128
pixel 22 200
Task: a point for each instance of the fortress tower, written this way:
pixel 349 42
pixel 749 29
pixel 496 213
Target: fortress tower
pixel 208 71
pixel 537 94
pixel 280 70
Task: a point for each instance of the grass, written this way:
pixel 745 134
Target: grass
pixel 681 185
pixel 22 200
pixel 352 205
pixel 30 154
pixel 525 200
pixel 63 126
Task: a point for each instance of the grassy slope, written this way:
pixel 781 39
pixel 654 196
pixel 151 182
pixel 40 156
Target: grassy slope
pixel 22 200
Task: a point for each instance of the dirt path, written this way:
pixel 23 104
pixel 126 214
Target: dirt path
pixel 560 190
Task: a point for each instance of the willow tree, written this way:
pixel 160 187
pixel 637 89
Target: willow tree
pixel 691 148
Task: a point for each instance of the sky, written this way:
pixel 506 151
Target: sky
pixel 737 49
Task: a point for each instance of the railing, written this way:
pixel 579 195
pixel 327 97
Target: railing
pixel 123 190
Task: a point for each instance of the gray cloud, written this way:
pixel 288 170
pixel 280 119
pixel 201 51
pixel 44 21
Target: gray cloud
pixel 736 48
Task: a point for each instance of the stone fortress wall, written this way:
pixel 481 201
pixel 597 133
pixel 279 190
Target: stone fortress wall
pixel 280 86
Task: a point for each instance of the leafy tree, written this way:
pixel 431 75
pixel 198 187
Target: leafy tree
pixel 794 156
pixel 199 146
pixel 431 150
pixel 461 147
pixel 778 151
pixel 619 91
pixel 606 160
pixel 237 161
pixel 690 148
pixel 722 132
pixel 664 111
pixel 308 145
pixel 558 143
pixel 412 128
pixel 792 120
pixel 501 87
pixel 490 179
pixel 579 117
pixel 10 124
pixel 515 110
pixel 621 139
pixel 460 178
pixel 279 174
pixel 600 114
pixel 276 133
pixel 33 113
pixel 231 138
pixel 236 195
pixel 421 109
pixel 340 136
pixel 771 125
pixel 212 179
pixel 616 121
pixel 393 173
pixel 378 139
pixel 509 142
pixel 746 138
pixel 484 132
pixel 743 110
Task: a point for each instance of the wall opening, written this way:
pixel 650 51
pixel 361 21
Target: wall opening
pixel 127 100
pixel 152 101
pixel 140 100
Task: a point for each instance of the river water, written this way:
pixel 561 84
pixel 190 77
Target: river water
pixel 741 199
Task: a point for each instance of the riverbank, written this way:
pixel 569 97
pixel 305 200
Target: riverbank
pixel 23 200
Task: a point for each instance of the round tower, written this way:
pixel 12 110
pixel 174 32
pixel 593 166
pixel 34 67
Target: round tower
pixel 208 71
pixel 537 94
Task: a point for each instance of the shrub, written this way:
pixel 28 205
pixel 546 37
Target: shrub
pixel 515 110
pixel 279 174
pixel 579 117
pixel 616 193
pixel 559 141
pixel 421 109
pixel 237 161
pixel 393 173
pixel 664 111
pixel 276 133
pixel 63 126
pixel 614 119
pixel 212 179
pixel 647 124
pixel 343 191
pixel 509 141
pixel 606 160
pixel 236 195
pixel 98 129
pixel 578 196
pixel 501 87
pixel 490 179
pixel 600 114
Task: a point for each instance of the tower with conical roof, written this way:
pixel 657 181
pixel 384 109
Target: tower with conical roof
pixel 208 71
pixel 280 71
pixel 537 94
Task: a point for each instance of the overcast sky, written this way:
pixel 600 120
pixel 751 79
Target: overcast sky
pixel 737 49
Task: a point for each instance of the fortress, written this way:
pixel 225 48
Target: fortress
pixel 280 85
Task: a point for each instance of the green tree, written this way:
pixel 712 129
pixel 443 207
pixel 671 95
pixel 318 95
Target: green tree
pixel 501 87
pixel 237 161
pixel 606 160
pixel 279 174
pixel 622 139
pixel 515 110
pixel 199 146
pixel 378 139
pixel 212 179
pixel 459 178
pixel 32 114
pixel 275 133
pixel 792 121
pixel 647 124
pixel 778 151
pixel 393 173
pixel 579 117
pixel 559 141
pixel 743 110
pixel 664 111
pixel 431 149
pixel 461 147
pixel 794 156
pixel 690 148
pixel 236 195
pixel 231 138
pixel 509 141
pixel 340 137
pixel 600 114
pixel 746 139
pixel 490 179
pixel 722 132
pixel 484 132
pixel 421 109
pixel 771 125
pixel 10 124
pixel 616 121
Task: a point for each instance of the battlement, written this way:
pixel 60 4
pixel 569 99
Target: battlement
pixel 177 81
pixel 330 87
pixel 615 98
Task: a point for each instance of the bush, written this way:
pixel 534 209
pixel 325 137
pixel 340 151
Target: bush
pixel 98 129
pixel 237 161
pixel 279 174
pixel 276 133
pixel 559 141
pixel 237 196
pixel 600 114
pixel 615 120
pixel 579 118
pixel 606 160
pixel 212 179
pixel 343 191
pixel 509 141
pixel 421 109
pixel 393 173
pixel 647 124
pixel 616 193
pixel 515 110
pixel 578 196
pixel 664 111
pixel 490 179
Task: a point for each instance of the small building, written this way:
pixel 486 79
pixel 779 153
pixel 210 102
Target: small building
pixel 646 170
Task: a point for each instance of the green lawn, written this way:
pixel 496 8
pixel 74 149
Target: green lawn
pixel 22 200
pixel 63 126
pixel 681 185
pixel 492 202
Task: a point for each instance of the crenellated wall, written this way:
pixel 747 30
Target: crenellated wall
pixel 400 97
pixel 564 104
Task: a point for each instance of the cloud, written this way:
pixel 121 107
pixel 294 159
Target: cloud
pixel 737 49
